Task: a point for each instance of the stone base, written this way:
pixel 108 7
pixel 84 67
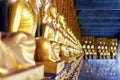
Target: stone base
pixel 33 73
pixel 67 59
pixel 52 67
pixel 59 76
pixel 75 69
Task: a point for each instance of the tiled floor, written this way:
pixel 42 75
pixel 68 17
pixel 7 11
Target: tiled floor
pixel 97 69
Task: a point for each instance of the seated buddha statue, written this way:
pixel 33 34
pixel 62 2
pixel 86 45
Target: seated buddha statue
pixel 17 51
pixel 44 51
pixel 23 16
pixel 64 49
pixel 50 15
pixel 47 48
pixel 61 35
pixel 60 22
pixel 47 31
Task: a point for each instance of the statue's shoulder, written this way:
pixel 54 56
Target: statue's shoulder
pixel 16 2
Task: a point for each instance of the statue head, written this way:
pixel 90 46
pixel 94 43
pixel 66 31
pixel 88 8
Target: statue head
pixel 52 11
pixel 60 19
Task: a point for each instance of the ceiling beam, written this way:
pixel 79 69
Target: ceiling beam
pixel 92 5
pixel 99 34
pixel 99 29
pixel 96 1
pixel 89 31
pixel 98 14
pixel 103 24
pixel 100 26
pixel 97 17
pixel 116 21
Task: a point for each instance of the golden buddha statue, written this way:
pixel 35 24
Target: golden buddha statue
pixel 48 50
pixel 94 53
pixel 47 53
pixel 47 31
pixel 61 40
pixel 64 51
pixel 23 16
pixel 50 15
pixel 17 51
pixel 44 51
pixel 59 37
pixel 61 24
pixel 48 34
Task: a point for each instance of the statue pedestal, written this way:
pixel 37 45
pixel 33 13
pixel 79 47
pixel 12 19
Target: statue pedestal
pixel 59 76
pixel 52 67
pixel 66 59
pixel 32 73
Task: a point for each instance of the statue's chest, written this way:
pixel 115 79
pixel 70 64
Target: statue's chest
pixel 28 14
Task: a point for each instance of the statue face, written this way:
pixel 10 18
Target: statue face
pixel 62 19
pixel 53 11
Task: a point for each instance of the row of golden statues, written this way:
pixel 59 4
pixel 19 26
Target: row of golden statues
pixel 54 45
pixel 102 48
